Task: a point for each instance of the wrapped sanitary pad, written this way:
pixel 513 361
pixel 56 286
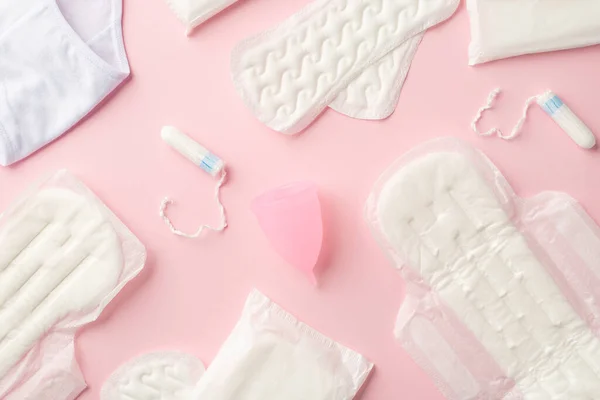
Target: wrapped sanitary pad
pixel 194 12
pixel 63 257
pixel 502 293
pixel 272 356
pixel 507 28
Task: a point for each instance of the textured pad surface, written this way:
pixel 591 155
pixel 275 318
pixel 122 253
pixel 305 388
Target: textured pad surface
pixel 155 376
pixel 289 74
pixel 375 92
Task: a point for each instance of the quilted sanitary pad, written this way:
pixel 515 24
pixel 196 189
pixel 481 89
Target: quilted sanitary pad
pixel 353 53
pixel 160 376
pixel 63 257
pixel 502 293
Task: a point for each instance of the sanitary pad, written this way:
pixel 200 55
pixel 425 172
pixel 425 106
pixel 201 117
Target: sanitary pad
pixel 272 356
pixel 160 376
pixel 63 257
pixel 353 54
pixel 506 28
pixel 194 12
pixel 502 292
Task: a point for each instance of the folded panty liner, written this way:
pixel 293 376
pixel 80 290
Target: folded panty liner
pixel 270 355
pixel 194 12
pixel 58 60
pixel 502 292
pixel 507 28
pixel 289 74
pixel 63 257
pixel 160 376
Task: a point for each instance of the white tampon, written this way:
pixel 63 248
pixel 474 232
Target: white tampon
pixel 202 158
pixel 566 119
pixel 192 150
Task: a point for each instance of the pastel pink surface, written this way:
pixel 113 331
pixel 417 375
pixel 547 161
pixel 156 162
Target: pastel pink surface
pixel 192 291
pixel 290 217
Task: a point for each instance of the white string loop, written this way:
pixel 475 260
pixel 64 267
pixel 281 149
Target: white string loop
pixel 496 131
pixel 223 216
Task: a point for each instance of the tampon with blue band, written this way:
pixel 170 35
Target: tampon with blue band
pixel 203 158
pixel 192 150
pixel 566 119
pixel 554 107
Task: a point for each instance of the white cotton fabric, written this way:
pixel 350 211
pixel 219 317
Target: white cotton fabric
pixel 507 28
pixel 58 60
pixel 501 300
pixel 288 75
pixel 63 257
pixel 161 376
pixel 272 356
pixel 194 12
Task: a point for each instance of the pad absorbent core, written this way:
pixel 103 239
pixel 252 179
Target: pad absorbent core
pixel 63 257
pixel 502 292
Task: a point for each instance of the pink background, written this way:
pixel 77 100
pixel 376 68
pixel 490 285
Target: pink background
pixel 192 291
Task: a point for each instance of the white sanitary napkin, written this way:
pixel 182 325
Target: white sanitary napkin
pixel 502 292
pixel 63 257
pixel 155 376
pixel 194 12
pixel 507 28
pixel 353 55
pixel 272 356
pixel 58 60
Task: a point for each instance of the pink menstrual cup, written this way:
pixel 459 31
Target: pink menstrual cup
pixel 290 217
